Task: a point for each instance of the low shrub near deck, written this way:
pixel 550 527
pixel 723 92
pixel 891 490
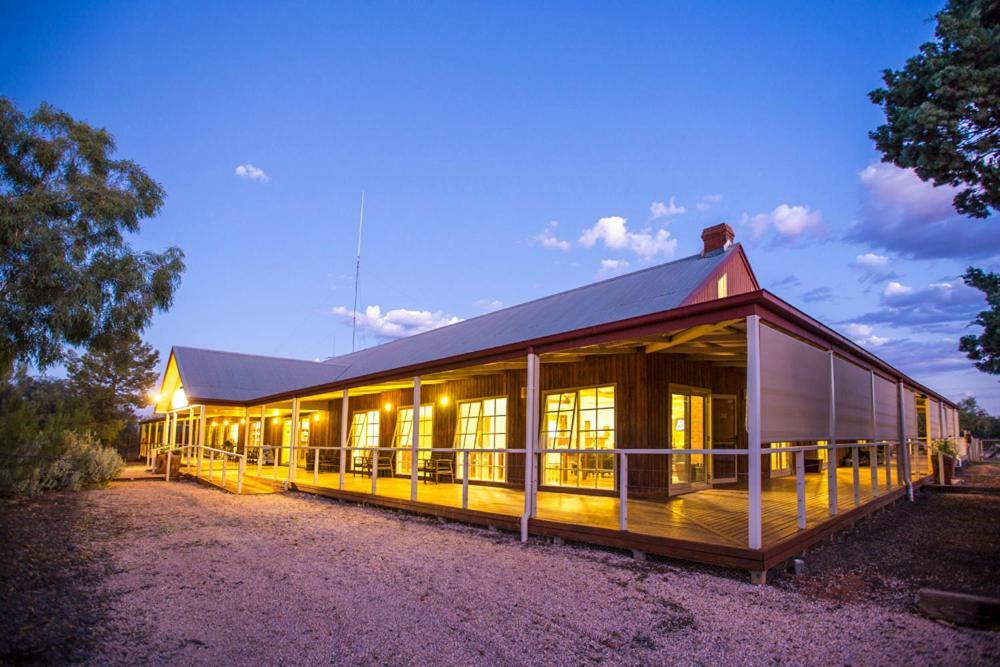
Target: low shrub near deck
pixel 51 461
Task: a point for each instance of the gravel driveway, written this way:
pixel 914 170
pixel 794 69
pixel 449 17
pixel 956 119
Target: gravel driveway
pixel 197 576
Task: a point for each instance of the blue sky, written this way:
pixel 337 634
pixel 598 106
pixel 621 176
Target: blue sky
pixel 489 139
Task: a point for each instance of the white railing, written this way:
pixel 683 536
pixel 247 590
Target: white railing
pixel 878 471
pixel 223 455
pixel 347 460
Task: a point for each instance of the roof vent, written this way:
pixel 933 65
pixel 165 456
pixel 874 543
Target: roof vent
pixel 716 238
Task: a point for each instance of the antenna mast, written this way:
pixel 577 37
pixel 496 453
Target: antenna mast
pixel 357 276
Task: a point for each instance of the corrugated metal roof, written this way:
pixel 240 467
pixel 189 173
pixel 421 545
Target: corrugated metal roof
pixel 227 376
pixel 231 376
pixel 651 290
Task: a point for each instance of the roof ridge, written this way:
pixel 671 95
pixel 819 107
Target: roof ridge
pixel 248 354
pixel 529 302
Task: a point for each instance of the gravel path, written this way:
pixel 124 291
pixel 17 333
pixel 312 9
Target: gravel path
pixel 199 577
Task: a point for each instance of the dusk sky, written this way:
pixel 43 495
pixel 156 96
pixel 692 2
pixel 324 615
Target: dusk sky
pixel 510 151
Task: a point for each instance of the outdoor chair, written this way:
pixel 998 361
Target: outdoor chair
pixel 385 464
pixel 361 464
pixel 436 468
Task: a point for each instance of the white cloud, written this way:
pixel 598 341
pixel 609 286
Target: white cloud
pixel 914 218
pixel 548 238
pixel 707 201
pixel 396 323
pixel 871 260
pixel 874 268
pixel 252 173
pixel 660 210
pixel 488 305
pixel 613 232
pixel 787 222
pixel 613 267
pixel 863 334
pixel 896 288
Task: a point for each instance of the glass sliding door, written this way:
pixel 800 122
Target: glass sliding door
pixel 403 437
pixel 580 419
pixel 482 424
pixel 689 430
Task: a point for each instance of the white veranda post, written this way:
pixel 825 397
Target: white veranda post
pixel 414 438
pixel 293 451
pixel 530 441
pixel 344 416
pixel 831 456
pixel 754 514
pixel 201 437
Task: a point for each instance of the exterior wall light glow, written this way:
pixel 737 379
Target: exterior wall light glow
pixel 179 399
pixel 387 407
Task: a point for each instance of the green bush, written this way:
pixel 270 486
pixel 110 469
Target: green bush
pixel 51 461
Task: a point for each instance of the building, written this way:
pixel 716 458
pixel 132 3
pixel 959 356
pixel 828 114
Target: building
pixel 679 410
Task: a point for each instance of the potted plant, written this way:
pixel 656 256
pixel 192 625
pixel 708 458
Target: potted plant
pixel 948 454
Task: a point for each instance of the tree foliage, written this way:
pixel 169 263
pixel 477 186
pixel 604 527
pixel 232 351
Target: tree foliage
pixel 984 348
pixel 973 418
pixel 68 276
pixel 113 383
pixel 942 109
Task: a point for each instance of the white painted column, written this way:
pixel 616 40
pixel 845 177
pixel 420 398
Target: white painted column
pixel 294 444
pixel 260 443
pixel 190 434
pixel 530 442
pixel 415 438
pixel 831 457
pixel 201 437
pixel 904 445
pixel 873 449
pixel 345 415
pixel 940 456
pixel 800 488
pixel 754 504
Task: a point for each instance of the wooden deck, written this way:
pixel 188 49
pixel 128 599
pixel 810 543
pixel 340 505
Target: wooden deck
pixel 706 526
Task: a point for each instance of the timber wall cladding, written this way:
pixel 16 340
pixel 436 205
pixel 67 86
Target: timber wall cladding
pixel 739 280
pixel 642 408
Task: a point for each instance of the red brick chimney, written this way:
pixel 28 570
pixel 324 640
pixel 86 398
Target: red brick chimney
pixel 716 239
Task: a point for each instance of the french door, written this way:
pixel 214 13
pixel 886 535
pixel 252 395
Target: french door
pixel 722 469
pixel 690 429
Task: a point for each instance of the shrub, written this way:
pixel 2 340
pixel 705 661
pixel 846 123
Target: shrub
pixel 53 461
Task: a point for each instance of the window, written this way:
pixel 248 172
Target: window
pixel 482 424
pixel 781 462
pixel 403 437
pixel 580 419
pixel 722 286
pixel 364 429
pixel 364 433
pixel 255 434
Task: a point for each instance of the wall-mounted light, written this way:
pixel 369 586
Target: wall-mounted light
pixel 443 400
pixel 243 421
pixel 316 417
pixel 387 407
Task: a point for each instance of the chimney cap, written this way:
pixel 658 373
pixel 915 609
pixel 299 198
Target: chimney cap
pixel 716 238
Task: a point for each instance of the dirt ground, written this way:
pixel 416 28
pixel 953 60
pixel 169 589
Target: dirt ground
pixel 163 573
pixel 943 541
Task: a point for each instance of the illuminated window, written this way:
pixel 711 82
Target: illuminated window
pixel 364 429
pixel 403 437
pixel 482 425
pixel 781 462
pixel 722 286
pixel 255 434
pixel 580 419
